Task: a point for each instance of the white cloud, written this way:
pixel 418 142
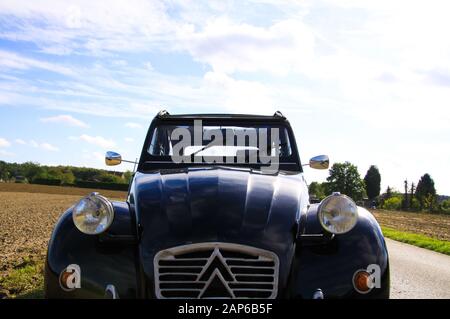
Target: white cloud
pixel 10 60
pixel 240 96
pixel 95 140
pixel 64 119
pixel 6 153
pixel 87 27
pixel 4 142
pixel 33 143
pixel 128 139
pixel 148 66
pixel 20 141
pixel 44 146
pixel 49 147
pixel 229 47
pixel 133 125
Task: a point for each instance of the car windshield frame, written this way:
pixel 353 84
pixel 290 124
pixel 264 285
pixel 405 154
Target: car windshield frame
pixel 149 162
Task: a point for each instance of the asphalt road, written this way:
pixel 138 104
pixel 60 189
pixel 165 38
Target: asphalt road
pixel 418 273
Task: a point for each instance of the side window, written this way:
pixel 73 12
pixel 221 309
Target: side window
pixel 153 149
pixel 285 144
pixel 160 145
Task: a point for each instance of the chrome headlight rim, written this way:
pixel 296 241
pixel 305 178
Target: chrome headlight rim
pixel 105 202
pixel 337 195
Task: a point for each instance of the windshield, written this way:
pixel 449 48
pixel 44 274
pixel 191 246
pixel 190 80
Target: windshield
pixel 231 143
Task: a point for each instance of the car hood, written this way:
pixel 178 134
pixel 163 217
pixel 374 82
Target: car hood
pixel 215 204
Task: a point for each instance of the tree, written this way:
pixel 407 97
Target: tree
pixel 85 174
pixel 30 170
pixel 388 192
pixel 317 190
pixel 411 196
pixel 344 178
pixel 405 196
pixel 4 173
pixel 425 192
pixel 67 178
pixel 372 181
pixel 127 176
pixel 54 173
pixel 106 177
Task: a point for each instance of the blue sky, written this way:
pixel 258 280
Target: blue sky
pixel 363 81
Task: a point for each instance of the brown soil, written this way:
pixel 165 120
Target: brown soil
pixel 432 225
pixel 26 222
pixel 45 189
pixel 28 214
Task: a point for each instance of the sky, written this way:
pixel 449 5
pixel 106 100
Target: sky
pixel 361 81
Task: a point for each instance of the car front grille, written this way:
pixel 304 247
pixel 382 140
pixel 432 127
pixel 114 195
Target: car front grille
pixel 216 270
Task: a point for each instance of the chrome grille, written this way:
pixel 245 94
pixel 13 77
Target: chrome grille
pixel 216 270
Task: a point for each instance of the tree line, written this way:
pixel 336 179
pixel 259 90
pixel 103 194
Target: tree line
pixel 30 172
pixel 345 178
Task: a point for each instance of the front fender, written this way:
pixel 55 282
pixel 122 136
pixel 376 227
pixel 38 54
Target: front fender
pixel 104 259
pixel 330 265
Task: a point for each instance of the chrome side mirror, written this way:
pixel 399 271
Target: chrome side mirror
pixel 319 162
pixel 113 158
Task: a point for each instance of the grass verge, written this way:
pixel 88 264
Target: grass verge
pixel 24 281
pixel 441 246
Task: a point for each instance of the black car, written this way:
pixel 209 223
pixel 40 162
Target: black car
pixel 218 208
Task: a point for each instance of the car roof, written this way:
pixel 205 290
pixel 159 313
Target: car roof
pixel 278 116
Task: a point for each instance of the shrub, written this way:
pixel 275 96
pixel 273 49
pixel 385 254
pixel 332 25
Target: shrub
pixel 317 190
pixel 415 204
pixel 392 203
pixel 444 206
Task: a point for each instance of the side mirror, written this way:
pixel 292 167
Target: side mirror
pixel 319 162
pixel 113 158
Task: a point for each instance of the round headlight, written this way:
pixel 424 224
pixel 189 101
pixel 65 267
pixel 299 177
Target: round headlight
pixel 93 214
pixel 338 213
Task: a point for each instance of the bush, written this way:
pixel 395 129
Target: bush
pixel 415 205
pixel 392 203
pixel 444 206
pixel 317 190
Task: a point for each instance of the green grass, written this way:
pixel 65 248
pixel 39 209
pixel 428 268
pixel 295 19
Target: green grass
pixel 25 281
pixel 441 246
